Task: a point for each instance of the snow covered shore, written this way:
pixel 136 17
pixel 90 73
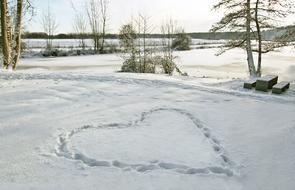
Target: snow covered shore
pixel 74 123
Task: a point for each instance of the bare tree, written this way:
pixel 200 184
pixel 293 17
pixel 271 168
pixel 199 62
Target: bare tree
pixel 17 34
pixel 249 17
pixel 237 18
pixel 93 12
pixel 250 58
pixel 169 31
pixel 97 12
pixel 104 19
pixel 5 31
pixel 266 14
pixel 259 38
pixel 80 25
pixel 49 25
pixel 11 34
pixel 143 30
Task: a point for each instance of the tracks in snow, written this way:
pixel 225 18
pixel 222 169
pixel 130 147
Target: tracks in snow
pixel 63 149
pixel 149 83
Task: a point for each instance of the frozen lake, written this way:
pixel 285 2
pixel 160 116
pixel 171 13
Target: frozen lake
pixel 74 43
pixel 198 62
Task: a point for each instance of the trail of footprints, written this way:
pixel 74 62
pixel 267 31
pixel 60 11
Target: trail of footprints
pixel 63 150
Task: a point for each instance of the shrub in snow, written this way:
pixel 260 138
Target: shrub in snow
pixel 167 64
pixel 182 42
pixel 139 65
pixel 140 58
pixel 54 53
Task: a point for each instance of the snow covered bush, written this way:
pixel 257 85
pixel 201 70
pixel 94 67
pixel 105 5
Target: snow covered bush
pixel 136 66
pixel 167 64
pixel 140 58
pixel 54 53
pixel 182 41
pixel 137 58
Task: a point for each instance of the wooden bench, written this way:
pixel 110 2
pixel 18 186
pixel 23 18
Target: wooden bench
pixel 266 83
pixel 281 87
pixel 250 84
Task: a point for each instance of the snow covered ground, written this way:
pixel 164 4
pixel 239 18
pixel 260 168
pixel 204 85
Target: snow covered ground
pixel 74 123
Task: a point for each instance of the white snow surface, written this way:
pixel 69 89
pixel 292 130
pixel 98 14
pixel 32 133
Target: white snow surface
pixel 74 123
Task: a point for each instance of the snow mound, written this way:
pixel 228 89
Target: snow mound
pixel 162 139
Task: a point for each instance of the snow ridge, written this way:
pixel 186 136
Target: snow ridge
pixel 63 149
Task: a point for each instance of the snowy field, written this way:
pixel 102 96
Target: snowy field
pixel 75 123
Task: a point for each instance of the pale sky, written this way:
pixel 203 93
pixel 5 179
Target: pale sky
pixel 192 15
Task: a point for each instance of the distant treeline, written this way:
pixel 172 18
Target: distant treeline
pixel 42 35
pixel 267 35
pixel 199 35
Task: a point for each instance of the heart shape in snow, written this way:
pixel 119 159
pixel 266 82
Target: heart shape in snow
pixel 162 139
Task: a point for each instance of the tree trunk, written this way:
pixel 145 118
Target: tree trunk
pixel 258 73
pixel 17 45
pixel 4 31
pixel 250 59
pixel 96 43
pixel 103 36
pixel 144 46
pixel 103 12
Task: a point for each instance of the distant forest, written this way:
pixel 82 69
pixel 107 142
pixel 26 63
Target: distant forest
pixel 267 35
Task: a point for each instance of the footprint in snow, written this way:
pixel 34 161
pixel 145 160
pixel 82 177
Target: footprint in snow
pixel 161 139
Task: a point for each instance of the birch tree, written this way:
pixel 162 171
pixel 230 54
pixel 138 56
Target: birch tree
pixel 80 27
pixel 93 13
pixel 5 34
pixel 97 12
pixel 104 4
pixel 17 34
pixel 49 25
pixel 11 33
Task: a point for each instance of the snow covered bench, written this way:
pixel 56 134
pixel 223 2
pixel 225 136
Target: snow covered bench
pixel 266 83
pixel 250 84
pixel 281 87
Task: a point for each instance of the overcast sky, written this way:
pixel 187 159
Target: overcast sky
pixel 193 15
